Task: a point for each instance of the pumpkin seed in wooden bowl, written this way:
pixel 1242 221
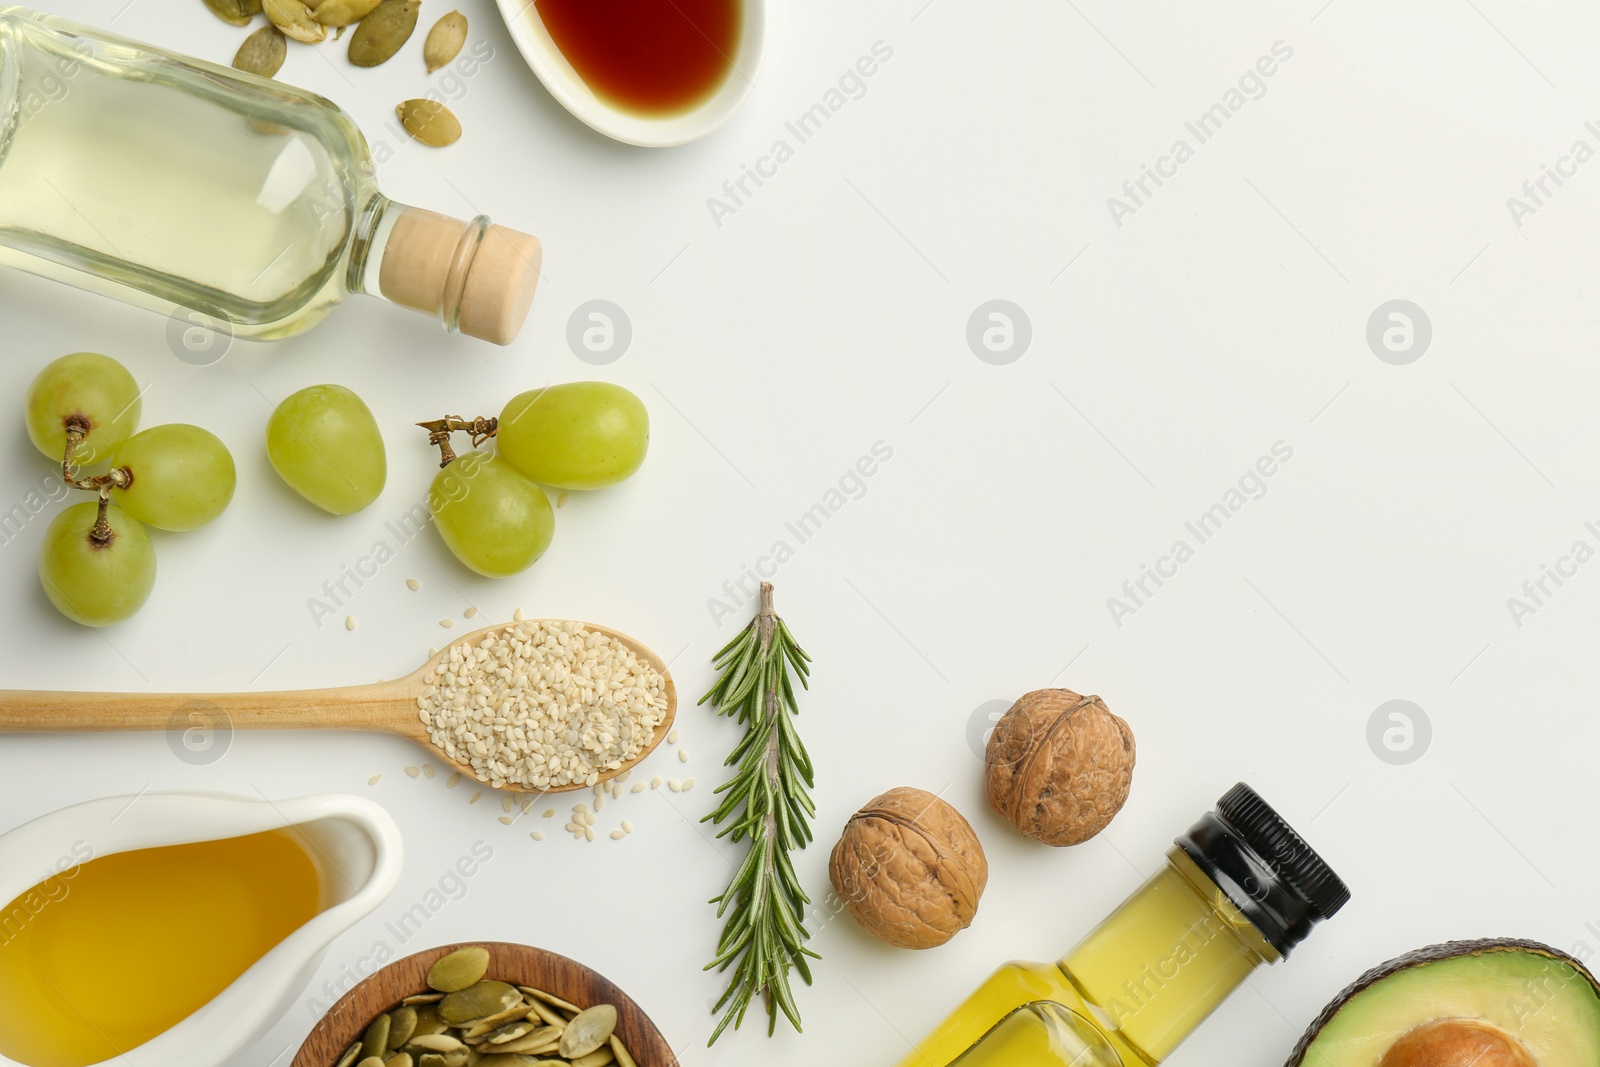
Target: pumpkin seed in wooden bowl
pixel 491 1004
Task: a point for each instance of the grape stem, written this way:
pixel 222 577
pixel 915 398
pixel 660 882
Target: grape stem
pixel 439 431
pixel 77 429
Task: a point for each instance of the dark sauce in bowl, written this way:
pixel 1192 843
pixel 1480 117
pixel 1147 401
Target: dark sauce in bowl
pixel 652 57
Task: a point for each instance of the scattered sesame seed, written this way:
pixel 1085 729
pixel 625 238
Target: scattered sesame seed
pixel 616 792
pixel 527 805
pixel 374 779
pixel 474 798
pixel 505 819
pixel 413 585
pixel 470 613
pixel 505 804
pixel 432 652
pixel 550 813
pixel 599 803
pixel 427 770
pixel 447 623
pixel 640 787
pixel 588 833
pixel 349 622
pixel 589 820
pixel 561 501
pixel 672 738
pixel 688 784
pixel 413 771
pixel 683 757
pixel 580 808
pixel 655 783
pixel 617 835
pixel 627 827
pixel 453 781
pixel 675 785
pixel 536 835
pixel 574 828
pixel 517 616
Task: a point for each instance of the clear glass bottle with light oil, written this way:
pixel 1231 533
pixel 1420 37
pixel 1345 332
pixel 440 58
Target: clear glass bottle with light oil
pixel 1239 890
pixel 234 201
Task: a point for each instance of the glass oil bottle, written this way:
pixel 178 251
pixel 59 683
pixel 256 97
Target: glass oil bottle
pixel 1239 890
pixel 184 186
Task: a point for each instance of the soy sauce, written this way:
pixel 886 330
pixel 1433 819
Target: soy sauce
pixel 654 57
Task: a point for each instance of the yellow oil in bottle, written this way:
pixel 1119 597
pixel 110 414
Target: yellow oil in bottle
pixel 1148 975
pixel 99 960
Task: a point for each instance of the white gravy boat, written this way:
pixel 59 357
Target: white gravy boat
pixel 354 843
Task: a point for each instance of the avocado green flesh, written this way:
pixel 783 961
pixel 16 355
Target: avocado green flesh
pixel 1552 1009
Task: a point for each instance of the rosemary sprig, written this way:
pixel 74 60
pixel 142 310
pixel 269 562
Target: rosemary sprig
pixel 768 800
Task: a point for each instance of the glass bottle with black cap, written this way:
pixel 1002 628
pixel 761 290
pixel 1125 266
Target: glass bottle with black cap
pixel 1239 889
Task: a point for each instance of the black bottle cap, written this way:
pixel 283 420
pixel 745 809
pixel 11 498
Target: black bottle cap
pixel 1266 869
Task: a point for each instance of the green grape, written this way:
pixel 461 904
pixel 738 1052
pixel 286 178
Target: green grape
pixel 493 519
pixel 182 476
pixel 324 442
pixel 92 583
pixel 582 435
pixel 93 387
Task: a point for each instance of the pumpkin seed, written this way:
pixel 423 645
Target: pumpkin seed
pixel 621 1052
pixel 478 1002
pixel 431 1059
pixel 588 1030
pixel 235 12
pixel 424 998
pixel 445 40
pixel 262 53
pixel 428 1021
pixel 295 19
pixel 436 1042
pixel 534 1043
pixel 507 1059
pixel 383 31
pixel 430 122
pixel 350 1056
pixel 337 14
pixel 399 1059
pixel 549 998
pixel 483 1026
pixel 598 1058
pixel 461 969
pixel 370 1061
pixel 548 1015
pixel 402 1024
pixel 509 1032
pixel 376 1041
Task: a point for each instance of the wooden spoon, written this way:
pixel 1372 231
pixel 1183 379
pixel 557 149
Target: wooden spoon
pixel 557 975
pixel 389 707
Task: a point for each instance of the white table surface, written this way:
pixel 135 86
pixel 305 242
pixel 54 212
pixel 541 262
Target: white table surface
pixel 829 313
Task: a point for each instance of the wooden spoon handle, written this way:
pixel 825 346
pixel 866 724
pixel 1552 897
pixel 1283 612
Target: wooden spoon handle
pixel 383 706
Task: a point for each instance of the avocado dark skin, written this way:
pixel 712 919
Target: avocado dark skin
pixel 1451 1024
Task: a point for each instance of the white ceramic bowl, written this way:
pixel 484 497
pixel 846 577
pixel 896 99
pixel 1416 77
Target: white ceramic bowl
pixel 649 131
pixel 355 841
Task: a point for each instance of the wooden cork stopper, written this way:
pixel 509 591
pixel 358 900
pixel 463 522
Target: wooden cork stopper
pixel 424 258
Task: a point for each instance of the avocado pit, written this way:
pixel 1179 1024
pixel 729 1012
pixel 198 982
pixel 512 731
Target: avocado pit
pixel 1457 1043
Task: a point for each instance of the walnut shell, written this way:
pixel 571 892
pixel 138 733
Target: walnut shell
pixel 910 869
pixel 1059 766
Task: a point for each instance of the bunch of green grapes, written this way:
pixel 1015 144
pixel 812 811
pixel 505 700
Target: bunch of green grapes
pixel 97 563
pixel 489 507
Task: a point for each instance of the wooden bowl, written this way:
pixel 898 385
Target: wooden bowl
pixel 518 964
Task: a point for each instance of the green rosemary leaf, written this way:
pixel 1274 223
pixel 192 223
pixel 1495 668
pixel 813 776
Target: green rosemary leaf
pixel 767 801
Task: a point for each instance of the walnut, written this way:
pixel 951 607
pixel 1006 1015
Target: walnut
pixel 910 869
pixel 1059 766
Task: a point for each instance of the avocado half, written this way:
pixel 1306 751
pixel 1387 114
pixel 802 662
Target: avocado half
pixel 1490 1003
